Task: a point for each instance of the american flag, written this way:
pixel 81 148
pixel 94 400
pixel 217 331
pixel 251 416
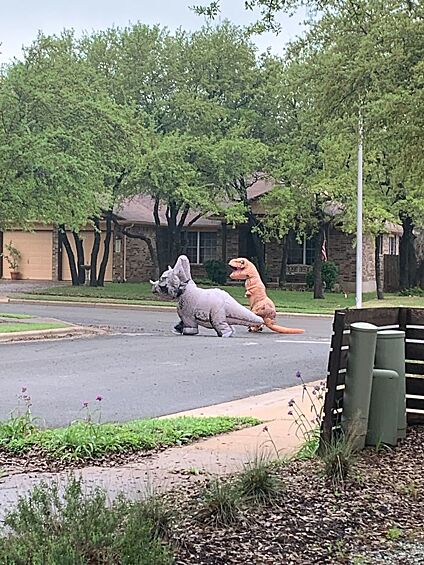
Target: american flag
pixel 324 251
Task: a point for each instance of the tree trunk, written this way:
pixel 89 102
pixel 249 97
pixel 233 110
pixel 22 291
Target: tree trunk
pixel 284 257
pixel 378 272
pixel 258 246
pixel 407 255
pixel 106 251
pixel 318 285
pixel 95 253
pixel 71 256
pixel 160 240
pixel 80 257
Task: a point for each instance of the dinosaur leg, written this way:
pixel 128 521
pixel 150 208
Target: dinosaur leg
pixel 220 324
pixel 188 324
pixel 178 328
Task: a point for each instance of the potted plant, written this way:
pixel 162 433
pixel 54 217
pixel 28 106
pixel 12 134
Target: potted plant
pixel 13 257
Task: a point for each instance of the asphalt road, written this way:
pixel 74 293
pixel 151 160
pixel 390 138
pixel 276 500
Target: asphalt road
pixel 142 370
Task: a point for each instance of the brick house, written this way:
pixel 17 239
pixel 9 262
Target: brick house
pixel 208 238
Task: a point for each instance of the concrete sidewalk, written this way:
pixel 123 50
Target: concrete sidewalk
pixel 178 466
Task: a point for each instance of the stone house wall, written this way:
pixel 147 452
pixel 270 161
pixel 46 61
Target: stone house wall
pixel 342 251
pixel 138 264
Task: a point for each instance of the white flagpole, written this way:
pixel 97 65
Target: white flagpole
pixel 358 298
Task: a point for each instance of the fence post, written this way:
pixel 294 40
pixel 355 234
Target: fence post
pixel 333 375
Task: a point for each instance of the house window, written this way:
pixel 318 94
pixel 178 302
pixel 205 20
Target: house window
pixel 201 246
pixel 300 253
pixel 393 245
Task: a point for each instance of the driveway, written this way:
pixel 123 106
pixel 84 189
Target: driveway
pixel 142 370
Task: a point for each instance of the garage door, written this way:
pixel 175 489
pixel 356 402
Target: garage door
pixel 36 251
pixel 88 238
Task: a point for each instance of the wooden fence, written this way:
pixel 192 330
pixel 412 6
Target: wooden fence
pixel 410 320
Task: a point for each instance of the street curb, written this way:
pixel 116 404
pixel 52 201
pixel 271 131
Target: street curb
pixel 70 331
pixel 151 308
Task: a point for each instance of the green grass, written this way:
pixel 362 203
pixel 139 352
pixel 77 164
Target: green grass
pixel 15 316
pixel 87 440
pixel 28 326
pixel 285 300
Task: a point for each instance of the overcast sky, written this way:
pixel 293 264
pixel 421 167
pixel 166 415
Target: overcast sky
pixel 20 20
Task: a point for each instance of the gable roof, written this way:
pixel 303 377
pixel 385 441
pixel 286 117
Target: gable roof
pixel 139 210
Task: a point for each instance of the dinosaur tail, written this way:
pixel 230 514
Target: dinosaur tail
pixel 281 329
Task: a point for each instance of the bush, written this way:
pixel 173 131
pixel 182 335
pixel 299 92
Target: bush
pixel 76 529
pixel 417 291
pixel 329 273
pixel 216 271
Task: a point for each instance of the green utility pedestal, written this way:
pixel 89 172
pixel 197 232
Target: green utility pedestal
pixel 384 406
pixel 390 354
pixel 360 365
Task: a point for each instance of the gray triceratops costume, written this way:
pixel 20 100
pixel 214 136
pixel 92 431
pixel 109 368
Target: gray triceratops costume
pixel 210 308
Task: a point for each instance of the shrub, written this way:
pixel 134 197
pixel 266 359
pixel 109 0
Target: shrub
pixel 329 273
pixel 220 503
pixel 76 529
pixel 258 483
pixel 416 291
pixel 216 271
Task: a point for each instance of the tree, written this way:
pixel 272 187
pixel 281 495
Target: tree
pixel 65 140
pixel 369 55
pixel 191 92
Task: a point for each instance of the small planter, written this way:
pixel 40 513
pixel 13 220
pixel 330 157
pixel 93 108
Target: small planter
pixel 15 275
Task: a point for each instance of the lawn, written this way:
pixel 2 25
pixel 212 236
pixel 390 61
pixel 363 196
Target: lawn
pixel 285 300
pixel 28 326
pixel 15 316
pixel 87 440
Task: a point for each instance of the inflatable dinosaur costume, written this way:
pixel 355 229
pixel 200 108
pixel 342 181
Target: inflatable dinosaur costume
pixel 259 302
pixel 210 308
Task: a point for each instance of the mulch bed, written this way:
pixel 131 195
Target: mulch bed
pixel 378 517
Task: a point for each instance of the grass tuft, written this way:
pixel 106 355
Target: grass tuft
pixel 258 483
pixel 219 503
pixel 310 446
pixel 339 456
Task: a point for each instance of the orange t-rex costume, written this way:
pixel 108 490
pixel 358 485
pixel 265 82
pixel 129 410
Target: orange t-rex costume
pixel 259 302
